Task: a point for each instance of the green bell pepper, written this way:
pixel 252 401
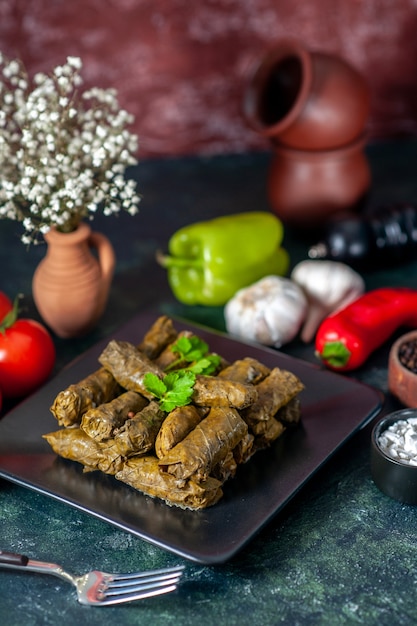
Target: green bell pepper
pixel 208 262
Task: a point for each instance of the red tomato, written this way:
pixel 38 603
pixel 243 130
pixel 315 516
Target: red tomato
pixel 6 305
pixel 27 357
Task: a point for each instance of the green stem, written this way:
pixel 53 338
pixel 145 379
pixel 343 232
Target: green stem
pixel 11 317
pixel 169 261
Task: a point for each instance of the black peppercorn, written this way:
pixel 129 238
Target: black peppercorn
pixel 407 355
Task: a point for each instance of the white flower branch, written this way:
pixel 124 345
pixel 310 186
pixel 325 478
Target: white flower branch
pixel 63 155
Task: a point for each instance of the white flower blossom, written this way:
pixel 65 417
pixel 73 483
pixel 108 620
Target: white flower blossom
pixel 63 155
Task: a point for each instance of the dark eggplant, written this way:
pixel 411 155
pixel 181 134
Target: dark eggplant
pixel 384 238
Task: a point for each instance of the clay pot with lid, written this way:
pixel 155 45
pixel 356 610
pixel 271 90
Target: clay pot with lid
pixel 307 187
pixel 306 100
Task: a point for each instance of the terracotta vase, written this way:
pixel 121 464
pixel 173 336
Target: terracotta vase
pixel 71 284
pixel 305 188
pixel 306 100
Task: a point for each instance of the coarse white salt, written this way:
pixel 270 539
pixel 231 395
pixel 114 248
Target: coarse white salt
pixel 399 441
pixel 410 442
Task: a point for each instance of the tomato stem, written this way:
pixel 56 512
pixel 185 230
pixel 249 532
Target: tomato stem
pixel 11 316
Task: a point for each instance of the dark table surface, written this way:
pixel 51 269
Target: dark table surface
pixel 341 552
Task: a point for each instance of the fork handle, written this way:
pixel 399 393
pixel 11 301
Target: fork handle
pixel 10 558
pixel 21 562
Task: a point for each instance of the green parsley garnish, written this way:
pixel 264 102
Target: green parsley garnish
pixel 174 389
pixel 195 352
pixel 177 386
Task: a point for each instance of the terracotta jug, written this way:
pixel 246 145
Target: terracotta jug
pixel 306 100
pixel 305 188
pixel 72 282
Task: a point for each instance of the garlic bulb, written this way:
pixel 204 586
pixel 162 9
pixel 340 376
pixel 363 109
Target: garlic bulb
pixel 270 311
pixel 329 286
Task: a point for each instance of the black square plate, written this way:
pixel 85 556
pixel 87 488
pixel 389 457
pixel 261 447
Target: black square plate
pixel 334 407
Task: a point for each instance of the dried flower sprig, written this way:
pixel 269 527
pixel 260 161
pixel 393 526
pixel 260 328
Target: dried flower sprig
pixel 63 154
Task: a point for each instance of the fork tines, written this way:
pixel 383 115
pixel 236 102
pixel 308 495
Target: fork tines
pixel 124 587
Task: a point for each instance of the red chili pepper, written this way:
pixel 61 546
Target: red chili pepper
pixel 346 338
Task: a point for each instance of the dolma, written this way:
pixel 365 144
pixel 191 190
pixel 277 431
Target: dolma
pixel 205 446
pixel 170 359
pixel 168 356
pixel 184 457
pixel 176 426
pixel 74 444
pixel 142 473
pixel 215 391
pixel 244 449
pixel 247 370
pixel 267 431
pixel 138 433
pixel 128 365
pixel 274 392
pixel 160 334
pixel 290 413
pixel 99 423
pixel 225 469
pixel 70 404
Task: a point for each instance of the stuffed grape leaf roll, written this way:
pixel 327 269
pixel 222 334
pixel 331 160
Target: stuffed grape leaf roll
pixel 225 469
pixel 266 431
pixel 129 365
pixel 205 446
pixel 215 391
pixel 74 444
pixel 138 433
pixel 168 356
pixel 142 473
pixel 244 449
pixel 100 422
pixel 160 334
pixel 176 427
pixel 274 392
pixel 290 413
pixel 247 370
pixel 70 404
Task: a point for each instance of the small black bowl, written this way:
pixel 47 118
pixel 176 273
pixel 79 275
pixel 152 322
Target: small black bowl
pixel 393 477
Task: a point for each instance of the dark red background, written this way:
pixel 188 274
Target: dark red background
pixel 180 66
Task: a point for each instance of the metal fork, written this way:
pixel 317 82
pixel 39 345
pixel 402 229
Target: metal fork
pixel 99 588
